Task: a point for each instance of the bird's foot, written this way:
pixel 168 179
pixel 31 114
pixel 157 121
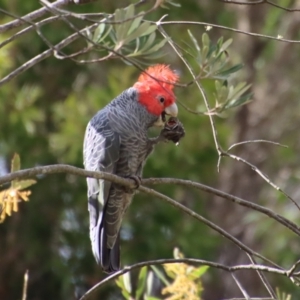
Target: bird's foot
pixel 136 179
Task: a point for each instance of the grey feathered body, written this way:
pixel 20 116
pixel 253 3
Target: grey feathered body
pixel 115 142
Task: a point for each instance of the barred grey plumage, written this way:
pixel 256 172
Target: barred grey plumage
pixel 116 142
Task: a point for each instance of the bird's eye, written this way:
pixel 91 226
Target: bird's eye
pixel 161 99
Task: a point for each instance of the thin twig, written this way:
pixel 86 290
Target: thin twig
pixel 27 29
pixel 262 175
pixel 206 222
pixel 231 29
pixel 44 55
pixel 202 92
pixel 31 16
pixel 263 278
pixel 127 269
pixel 257 2
pixel 243 291
pixel 266 211
pixel 256 141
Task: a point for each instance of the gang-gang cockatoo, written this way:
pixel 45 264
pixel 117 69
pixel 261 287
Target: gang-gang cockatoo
pixel 116 142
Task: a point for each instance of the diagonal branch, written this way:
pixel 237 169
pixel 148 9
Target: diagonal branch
pixel 62 168
pixel 31 16
pixel 127 182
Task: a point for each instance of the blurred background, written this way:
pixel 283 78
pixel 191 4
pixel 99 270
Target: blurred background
pixel 43 115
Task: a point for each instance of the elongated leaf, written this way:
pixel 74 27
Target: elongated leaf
pixel 135 24
pixel 127 282
pixel 15 166
pixel 205 39
pixel 204 53
pixel 197 47
pixel 23 184
pixel 238 102
pixel 149 42
pixel 237 92
pixel 223 94
pixel 98 32
pixel 122 28
pixel 15 163
pixel 144 29
pixel 129 12
pixel 160 275
pixel 141 282
pixel 230 70
pixel 226 45
pixel 105 35
pixel 157 46
pixel 198 272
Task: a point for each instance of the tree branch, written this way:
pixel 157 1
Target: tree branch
pixel 31 16
pixel 230 269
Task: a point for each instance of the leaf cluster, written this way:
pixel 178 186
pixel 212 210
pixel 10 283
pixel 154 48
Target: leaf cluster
pixel 186 283
pixel 214 63
pixel 128 36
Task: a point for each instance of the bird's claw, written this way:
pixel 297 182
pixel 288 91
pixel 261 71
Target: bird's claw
pixel 136 179
pixel 173 130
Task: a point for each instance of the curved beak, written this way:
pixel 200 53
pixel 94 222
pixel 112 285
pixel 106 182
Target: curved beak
pixel 172 110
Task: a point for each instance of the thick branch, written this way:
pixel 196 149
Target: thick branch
pixel 61 168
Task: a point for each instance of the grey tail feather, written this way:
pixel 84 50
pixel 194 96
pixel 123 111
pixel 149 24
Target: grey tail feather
pixel 108 259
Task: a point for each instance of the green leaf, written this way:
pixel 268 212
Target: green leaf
pixel 129 12
pixel 239 90
pixel 204 52
pixel 120 17
pixel 218 85
pixel 205 39
pixel 160 275
pixel 23 184
pixel 194 41
pixel 149 42
pixel 121 284
pixel 15 166
pixel 135 24
pixel 144 29
pixel 127 282
pixel 230 71
pixel 197 273
pixel 223 94
pixel 157 46
pixel 15 163
pixel 98 32
pixel 226 45
pixel 238 102
pixel 141 282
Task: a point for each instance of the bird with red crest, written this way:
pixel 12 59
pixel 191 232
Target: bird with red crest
pixel 116 142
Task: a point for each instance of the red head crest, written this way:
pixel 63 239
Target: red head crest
pixel 162 73
pixel 155 84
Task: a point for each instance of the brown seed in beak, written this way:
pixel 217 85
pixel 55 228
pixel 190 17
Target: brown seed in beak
pixel 173 130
